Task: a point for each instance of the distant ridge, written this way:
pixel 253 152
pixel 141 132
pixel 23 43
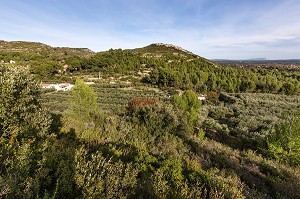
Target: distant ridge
pixel 22 46
pixel 154 49
pixel 258 59
pixel 39 48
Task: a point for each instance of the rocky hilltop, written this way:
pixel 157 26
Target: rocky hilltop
pixel 160 49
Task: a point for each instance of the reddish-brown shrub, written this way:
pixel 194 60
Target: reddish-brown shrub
pixel 212 95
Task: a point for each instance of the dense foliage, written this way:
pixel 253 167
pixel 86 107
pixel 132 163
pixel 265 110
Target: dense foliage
pixel 153 149
pixel 203 77
pixel 284 142
pixel 116 139
pixel 170 67
pixel 23 127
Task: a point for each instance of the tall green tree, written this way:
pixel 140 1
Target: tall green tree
pixel 82 109
pixel 189 103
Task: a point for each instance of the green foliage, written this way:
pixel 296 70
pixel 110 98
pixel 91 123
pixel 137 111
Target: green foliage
pixel 46 68
pixel 202 76
pixel 284 142
pixel 170 66
pixel 188 102
pixel 23 127
pixel 83 102
pixel 152 149
pixel 242 121
pixel 42 169
pixel 21 116
pixel 110 97
pixel 98 177
pixel 55 172
pixel 74 63
pixel 152 121
pixel 157 148
pixel 201 134
pixel 120 61
pixel 82 109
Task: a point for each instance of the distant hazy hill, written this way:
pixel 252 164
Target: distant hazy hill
pixel 40 48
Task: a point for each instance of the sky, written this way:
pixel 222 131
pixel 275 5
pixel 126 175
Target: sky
pixel 214 29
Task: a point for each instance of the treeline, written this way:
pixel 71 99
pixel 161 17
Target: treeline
pixel 193 73
pixel 42 64
pixel 112 61
pixel 168 70
pixel 117 61
pixel 291 64
pixel 203 76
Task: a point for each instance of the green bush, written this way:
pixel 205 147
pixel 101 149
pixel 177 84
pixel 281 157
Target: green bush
pixel 284 141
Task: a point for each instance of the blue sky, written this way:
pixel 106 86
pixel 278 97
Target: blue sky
pixel 231 29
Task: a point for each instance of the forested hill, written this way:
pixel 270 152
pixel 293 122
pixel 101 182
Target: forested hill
pixel 27 47
pixel 40 48
pixel 161 49
pixel 166 65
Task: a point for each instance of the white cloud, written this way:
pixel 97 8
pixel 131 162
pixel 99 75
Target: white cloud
pixel 235 30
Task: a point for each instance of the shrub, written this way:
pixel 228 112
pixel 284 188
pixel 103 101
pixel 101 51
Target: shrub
pixel 284 141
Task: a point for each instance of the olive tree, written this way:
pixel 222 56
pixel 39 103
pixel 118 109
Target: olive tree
pixel 21 114
pixel 23 126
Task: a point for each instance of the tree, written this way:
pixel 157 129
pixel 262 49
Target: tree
pixel 45 68
pixel 288 88
pixel 74 63
pixel 21 114
pixel 23 127
pixel 188 102
pixel 82 107
pixel 152 117
pixel 284 142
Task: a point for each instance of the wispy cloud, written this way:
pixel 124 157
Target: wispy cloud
pixel 210 28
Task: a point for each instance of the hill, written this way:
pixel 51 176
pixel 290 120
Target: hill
pixel 27 47
pixel 40 48
pixel 160 49
pixel 162 65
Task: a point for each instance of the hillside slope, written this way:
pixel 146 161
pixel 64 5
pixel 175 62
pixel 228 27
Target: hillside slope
pixel 160 49
pixel 40 48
